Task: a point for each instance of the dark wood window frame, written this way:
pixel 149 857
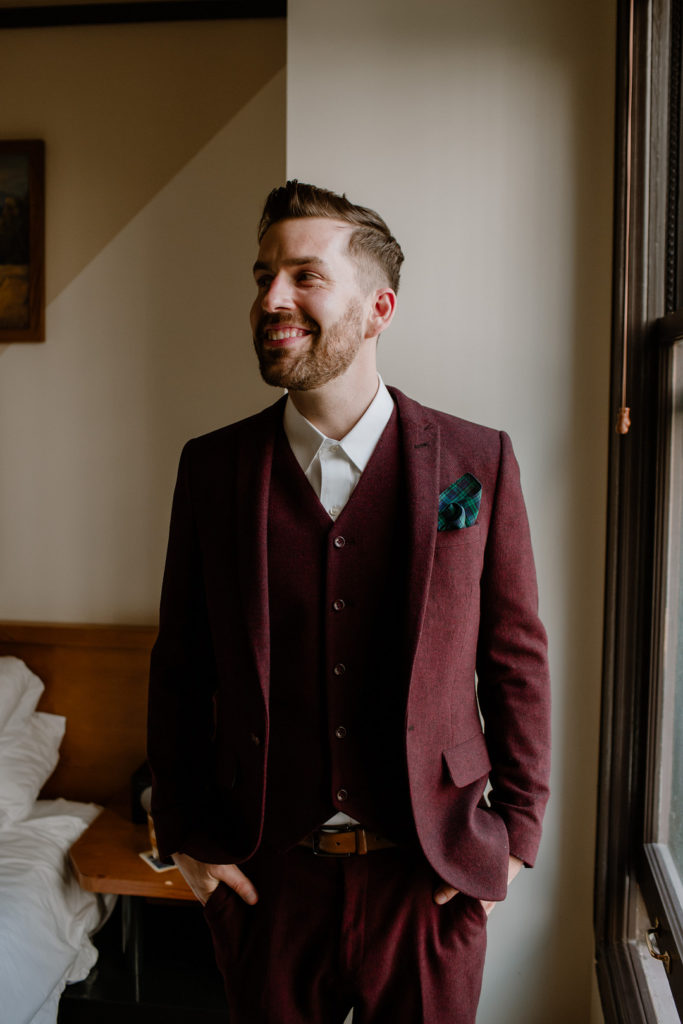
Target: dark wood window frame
pixel 631 886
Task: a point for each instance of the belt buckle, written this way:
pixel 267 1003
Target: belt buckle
pixel 333 830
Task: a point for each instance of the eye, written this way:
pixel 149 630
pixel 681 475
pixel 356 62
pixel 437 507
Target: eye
pixel 308 277
pixel 263 281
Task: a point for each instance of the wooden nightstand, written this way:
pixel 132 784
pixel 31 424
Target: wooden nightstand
pixel 106 859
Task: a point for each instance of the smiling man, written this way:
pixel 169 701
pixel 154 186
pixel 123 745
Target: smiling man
pixel 342 568
pixel 299 344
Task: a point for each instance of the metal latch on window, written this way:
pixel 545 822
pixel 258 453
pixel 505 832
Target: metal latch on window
pixel 650 934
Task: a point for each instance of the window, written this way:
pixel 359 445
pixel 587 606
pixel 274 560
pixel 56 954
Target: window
pixel 671 786
pixel 639 866
pixel 661 871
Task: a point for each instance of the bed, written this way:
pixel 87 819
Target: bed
pixel 72 730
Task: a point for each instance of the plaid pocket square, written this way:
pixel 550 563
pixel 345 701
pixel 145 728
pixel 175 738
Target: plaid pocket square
pixel 459 503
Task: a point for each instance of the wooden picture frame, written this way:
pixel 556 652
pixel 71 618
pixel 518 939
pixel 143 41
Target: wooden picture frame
pixel 22 240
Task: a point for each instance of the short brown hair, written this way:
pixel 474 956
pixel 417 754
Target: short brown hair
pixel 371 242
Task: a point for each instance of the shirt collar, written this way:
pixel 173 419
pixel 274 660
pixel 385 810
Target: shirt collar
pixel 305 440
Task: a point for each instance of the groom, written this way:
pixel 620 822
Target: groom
pixel 349 650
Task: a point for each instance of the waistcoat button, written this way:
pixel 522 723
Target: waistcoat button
pixel 339 542
pixel 340 732
pixel 339 669
pixel 342 794
pixel 339 604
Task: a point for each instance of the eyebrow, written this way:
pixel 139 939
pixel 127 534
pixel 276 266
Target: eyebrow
pixel 299 261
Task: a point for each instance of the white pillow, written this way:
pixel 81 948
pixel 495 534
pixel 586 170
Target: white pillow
pixel 20 692
pixel 26 762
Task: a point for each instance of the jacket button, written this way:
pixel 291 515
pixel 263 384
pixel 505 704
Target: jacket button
pixel 339 542
pixel 340 732
pixel 339 669
pixel 342 794
pixel 256 740
pixel 339 605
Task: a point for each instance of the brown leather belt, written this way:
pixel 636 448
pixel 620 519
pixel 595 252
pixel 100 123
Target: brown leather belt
pixel 344 841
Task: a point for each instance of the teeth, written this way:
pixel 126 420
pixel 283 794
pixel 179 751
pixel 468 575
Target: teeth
pixel 289 332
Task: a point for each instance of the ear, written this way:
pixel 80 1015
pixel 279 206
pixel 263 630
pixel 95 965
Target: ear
pixel 382 309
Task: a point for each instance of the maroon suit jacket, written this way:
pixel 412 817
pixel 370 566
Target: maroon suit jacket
pixel 471 607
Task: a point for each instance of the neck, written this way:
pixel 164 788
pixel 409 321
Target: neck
pixel 336 407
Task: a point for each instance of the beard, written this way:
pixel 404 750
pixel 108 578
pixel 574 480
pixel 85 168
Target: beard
pixel 328 355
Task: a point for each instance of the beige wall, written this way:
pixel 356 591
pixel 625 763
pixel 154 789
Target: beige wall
pixel 483 132
pixel 161 141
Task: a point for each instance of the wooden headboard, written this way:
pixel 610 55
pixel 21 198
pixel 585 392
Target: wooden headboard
pixel 97 677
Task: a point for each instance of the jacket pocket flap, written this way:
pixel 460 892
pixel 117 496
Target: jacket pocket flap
pixel 468 761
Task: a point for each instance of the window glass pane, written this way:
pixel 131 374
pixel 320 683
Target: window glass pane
pixel 674 639
pixel 676 809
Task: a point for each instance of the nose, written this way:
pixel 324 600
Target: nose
pixel 278 295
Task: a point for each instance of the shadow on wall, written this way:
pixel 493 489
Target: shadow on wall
pixel 146 346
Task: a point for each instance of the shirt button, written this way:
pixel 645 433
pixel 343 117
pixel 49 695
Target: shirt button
pixel 339 605
pixel 339 542
pixel 339 669
pixel 335 448
pixel 342 794
pixel 340 732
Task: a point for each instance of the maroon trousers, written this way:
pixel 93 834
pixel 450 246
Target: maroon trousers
pixel 329 934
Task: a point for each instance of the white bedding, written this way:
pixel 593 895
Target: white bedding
pixel 45 917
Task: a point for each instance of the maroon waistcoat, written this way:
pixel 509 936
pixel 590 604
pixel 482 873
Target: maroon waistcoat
pixel 337 689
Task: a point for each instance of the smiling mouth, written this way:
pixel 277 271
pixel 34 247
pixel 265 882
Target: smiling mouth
pixel 277 334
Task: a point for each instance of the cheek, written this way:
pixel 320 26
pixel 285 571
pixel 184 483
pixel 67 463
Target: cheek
pixel 321 311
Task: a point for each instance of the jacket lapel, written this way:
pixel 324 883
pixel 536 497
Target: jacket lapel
pixel 255 458
pixel 420 439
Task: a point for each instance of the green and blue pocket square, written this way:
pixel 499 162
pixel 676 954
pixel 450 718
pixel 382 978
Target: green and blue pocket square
pixel 459 503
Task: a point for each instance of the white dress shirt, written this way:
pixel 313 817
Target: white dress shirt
pixel 333 468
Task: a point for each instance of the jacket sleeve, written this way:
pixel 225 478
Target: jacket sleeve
pixel 182 685
pixel 512 667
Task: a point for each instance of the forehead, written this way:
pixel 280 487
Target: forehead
pixel 320 237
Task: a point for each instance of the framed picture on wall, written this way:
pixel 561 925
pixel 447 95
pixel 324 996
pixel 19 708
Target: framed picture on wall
pixel 22 240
